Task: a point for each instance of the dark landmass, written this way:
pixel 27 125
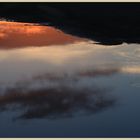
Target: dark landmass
pixel 106 23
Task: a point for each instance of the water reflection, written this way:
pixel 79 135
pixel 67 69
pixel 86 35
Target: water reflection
pixel 65 98
pixel 17 35
pixel 73 79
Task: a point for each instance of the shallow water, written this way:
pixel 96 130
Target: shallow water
pixel 56 85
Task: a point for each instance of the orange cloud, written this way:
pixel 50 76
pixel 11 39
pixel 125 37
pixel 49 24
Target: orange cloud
pixel 15 35
pixel 2 35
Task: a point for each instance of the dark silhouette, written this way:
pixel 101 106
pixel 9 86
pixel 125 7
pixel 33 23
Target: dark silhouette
pixel 106 23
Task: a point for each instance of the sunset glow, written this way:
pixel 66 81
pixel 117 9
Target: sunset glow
pixel 17 35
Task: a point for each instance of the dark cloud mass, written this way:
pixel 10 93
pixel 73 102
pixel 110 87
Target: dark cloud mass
pixel 67 97
pixel 107 23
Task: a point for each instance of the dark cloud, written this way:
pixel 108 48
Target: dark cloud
pixel 66 99
pixel 107 23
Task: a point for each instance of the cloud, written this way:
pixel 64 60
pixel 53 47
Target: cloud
pixel 56 99
pixel 17 35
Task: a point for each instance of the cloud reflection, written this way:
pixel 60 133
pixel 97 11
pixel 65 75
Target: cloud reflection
pixel 79 74
pixel 55 100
